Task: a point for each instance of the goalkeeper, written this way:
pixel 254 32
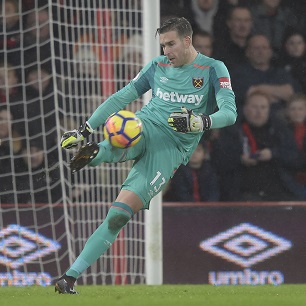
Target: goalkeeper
pixel 191 93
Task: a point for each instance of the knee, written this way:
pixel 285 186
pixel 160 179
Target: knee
pixel 117 222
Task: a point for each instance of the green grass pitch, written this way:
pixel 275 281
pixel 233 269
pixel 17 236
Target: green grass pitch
pixel 168 295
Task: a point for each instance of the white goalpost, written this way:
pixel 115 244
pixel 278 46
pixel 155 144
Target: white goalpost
pixel 70 56
pixel 153 217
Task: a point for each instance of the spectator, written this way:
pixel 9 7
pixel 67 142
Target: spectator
pixel 224 9
pixel 202 13
pixel 10 145
pixel 272 20
pixel 38 173
pixel 203 27
pixel 37 26
pixel 37 45
pixel 261 152
pixel 293 57
pixel 203 42
pixel 231 48
pixel 10 91
pixel 31 4
pixel 86 57
pixel 258 74
pixel 10 29
pixel 296 114
pixel 130 61
pixel 77 92
pixel 174 8
pixel 296 119
pixel 40 103
pixel 298 8
pixel 195 182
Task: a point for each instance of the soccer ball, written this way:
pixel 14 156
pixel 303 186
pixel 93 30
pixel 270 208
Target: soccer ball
pixel 123 129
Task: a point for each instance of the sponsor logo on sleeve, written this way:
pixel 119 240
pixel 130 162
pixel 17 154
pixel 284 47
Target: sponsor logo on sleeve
pixel 225 83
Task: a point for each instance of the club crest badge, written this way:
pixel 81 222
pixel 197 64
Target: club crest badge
pixel 197 82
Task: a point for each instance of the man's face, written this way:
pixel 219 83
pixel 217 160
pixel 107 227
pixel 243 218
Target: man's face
pixel 203 44
pixel 256 110
pixel 35 156
pixel 259 51
pixel 297 111
pixel 271 3
pixel 38 23
pixel 39 79
pixel 175 48
pixel 240 23
pixel 206 5
pixel 10 14
pixel 295 45
pixel 8 78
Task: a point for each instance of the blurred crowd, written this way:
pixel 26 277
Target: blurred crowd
pixel 262 42
pixel 50 72
pixel 28 155
pixel 263 156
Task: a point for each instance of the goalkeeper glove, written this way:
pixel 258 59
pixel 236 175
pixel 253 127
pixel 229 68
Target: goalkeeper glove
pixel 71 139
pixel 187 121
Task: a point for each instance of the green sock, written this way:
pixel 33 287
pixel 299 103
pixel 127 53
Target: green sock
pixel 99 242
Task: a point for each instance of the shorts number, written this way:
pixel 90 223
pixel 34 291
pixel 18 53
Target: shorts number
pixel 163 181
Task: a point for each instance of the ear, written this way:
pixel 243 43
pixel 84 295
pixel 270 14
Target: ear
pixel 187 41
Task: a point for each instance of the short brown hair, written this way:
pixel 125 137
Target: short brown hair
pixel 297 96
pixel 179 24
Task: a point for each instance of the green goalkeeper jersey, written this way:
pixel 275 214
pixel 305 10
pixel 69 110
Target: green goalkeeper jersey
pixel 203 86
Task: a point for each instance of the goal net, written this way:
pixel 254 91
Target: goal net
pixel 59 61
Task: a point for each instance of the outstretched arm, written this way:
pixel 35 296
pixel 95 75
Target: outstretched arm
pixel 113 104
pixel 117 101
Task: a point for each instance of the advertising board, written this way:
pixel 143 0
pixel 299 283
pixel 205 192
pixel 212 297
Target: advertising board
pixel 234 245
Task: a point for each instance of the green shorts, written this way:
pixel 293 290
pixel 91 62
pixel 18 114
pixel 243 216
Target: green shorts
pixel 156 159
pixel 157 163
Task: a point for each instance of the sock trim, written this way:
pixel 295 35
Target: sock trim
pixel 122 206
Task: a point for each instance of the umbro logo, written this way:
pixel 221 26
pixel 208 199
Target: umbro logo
pixel 245 245
pixel 163 79
pixel 20 245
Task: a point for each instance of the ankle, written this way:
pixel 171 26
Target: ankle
pixel 69 279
